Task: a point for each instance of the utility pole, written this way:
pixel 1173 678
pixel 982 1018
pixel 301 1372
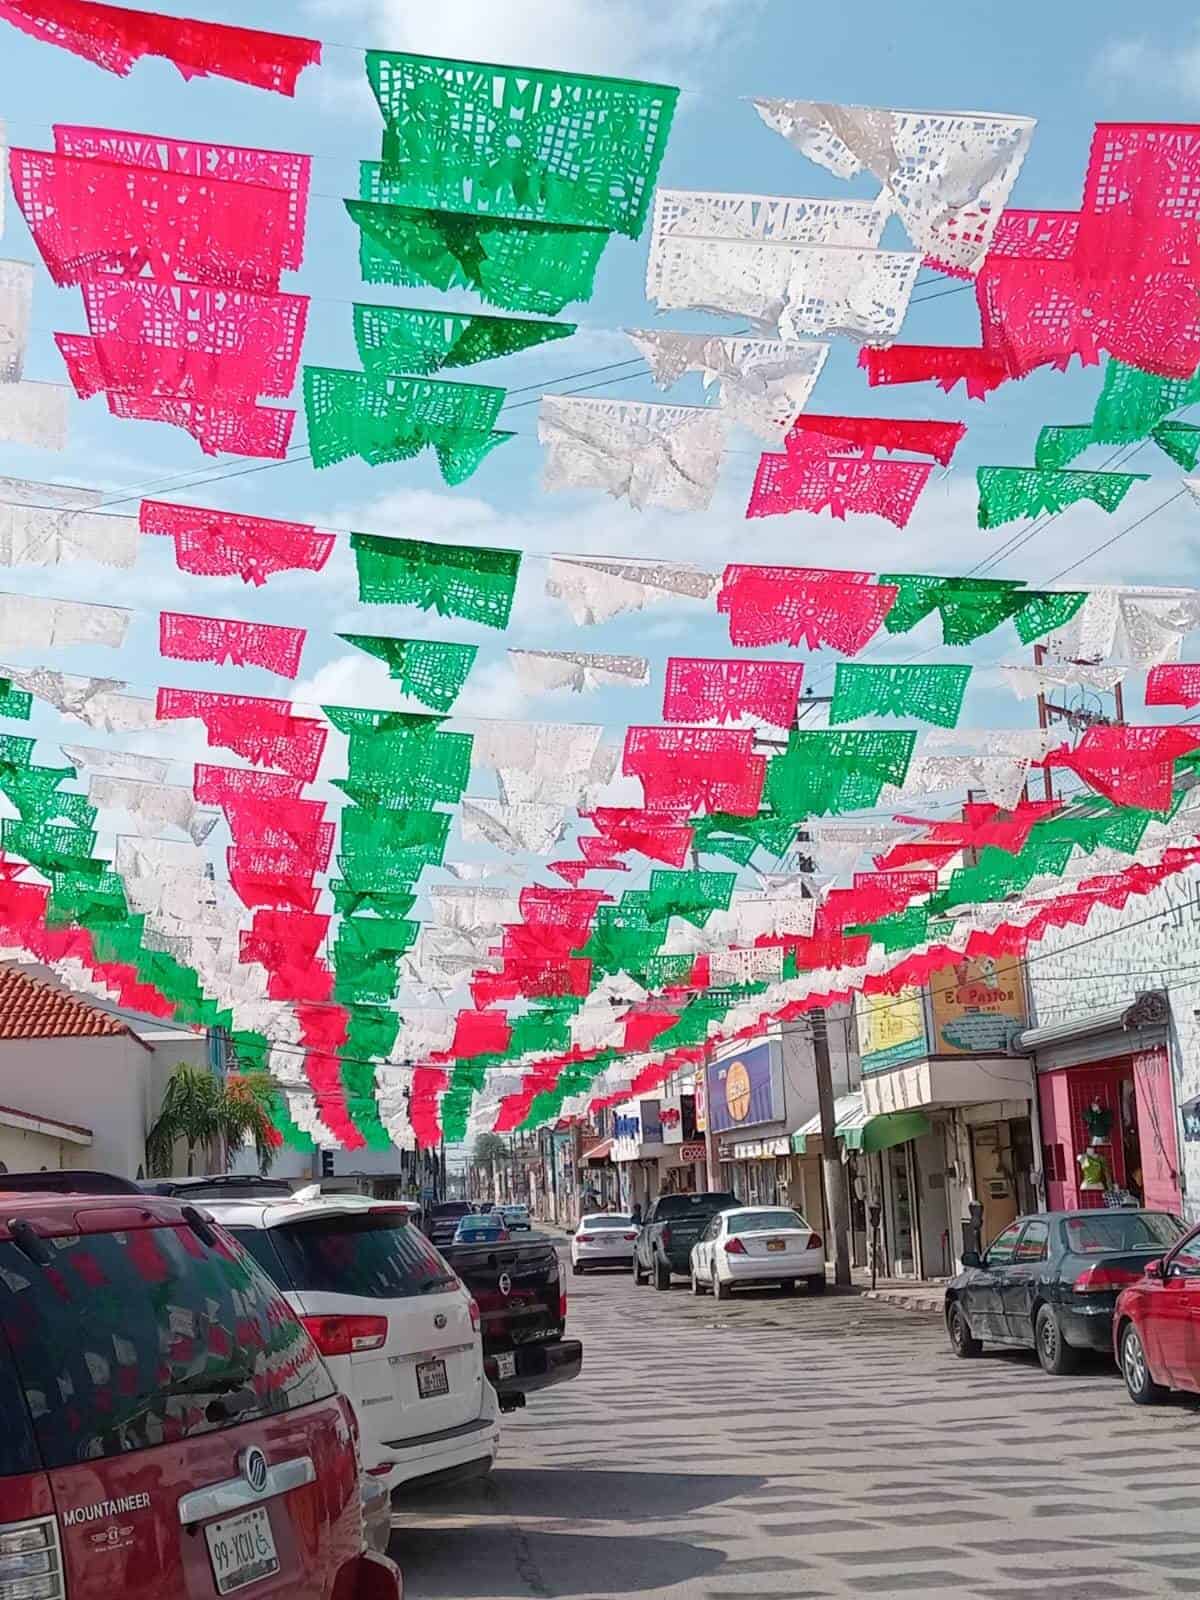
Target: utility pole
pixel 710 1139
pixel 837 1199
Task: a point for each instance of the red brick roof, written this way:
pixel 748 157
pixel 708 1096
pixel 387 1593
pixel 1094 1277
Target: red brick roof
pixel 30 1009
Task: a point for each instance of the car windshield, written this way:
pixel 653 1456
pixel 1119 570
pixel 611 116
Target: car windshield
pixel 692 1205
pixel 764 1221
pixel 1109 1232
pixel 607 1221
pixel 145 1337
pixel 375 1254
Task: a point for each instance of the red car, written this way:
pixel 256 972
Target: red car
pixel 167 1427
pixel 1156 1325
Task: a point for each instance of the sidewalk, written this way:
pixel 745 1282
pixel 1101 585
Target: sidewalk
pixel 913 1294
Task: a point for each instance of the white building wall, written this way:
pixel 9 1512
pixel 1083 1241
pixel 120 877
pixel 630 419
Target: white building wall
pixel 24 1150
pixel 1152 943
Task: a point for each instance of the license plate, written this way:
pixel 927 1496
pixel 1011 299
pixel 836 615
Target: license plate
pixel 776 1244
pixel 506 1364
pixel 432 1379
pixel 241 1549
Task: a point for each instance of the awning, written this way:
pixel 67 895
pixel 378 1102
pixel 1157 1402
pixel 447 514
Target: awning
pixel 599 1152
pixel 858 1131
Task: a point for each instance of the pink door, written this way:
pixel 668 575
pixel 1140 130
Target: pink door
pixel 1156 1129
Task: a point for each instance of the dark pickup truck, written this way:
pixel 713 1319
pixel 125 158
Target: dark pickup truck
pixel 441 1221
pixel 674 1223
pixel 523 1309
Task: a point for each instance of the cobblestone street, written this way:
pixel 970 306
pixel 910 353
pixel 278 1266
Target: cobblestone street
pixel 806 1448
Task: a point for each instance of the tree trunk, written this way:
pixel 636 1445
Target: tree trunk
pixel 191 1159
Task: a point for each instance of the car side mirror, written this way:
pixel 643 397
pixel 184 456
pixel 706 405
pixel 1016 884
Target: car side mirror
pixel 1157 1269
pixel 972 1258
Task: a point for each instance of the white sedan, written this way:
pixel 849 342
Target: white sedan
pixel 757 1244
pixel 603 1239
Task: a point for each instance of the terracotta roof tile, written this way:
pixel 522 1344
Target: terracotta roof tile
pixel 30 1009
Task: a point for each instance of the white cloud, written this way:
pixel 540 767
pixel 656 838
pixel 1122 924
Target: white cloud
pixel 1144 63
pixel 644 37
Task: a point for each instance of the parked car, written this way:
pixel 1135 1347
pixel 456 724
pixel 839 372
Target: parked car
pixel 217 1186
pixel 443 1218
pixel 603 1239
pixel 168 1427
pixel 1051 1280
pixel 671 1228
pixel 756 1245
pixel 523 1313
pixel 481 1230
pixel 398 1330
pixel 1156 1325
pixel 516 1218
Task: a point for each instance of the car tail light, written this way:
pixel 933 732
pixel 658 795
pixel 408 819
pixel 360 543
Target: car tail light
pixel 473 1308
pixel 631 1235
pixel 31 1561
pixel 1103 1278
pixel 666 1237
pixel 343 1336
pixel 814 1242
pixel 586 1238
pixel 734 1247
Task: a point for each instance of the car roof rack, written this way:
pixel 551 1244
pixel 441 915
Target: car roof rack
pixel 66 1181
pixel 218 1186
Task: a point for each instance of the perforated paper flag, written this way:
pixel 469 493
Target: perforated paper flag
pixel 929 694
pixel 223 640
pixel 594 591
pixel 406 339
pixel 224 544
pixel 816 483
pixel 980 370
pixel 762 383
pixel 1142 625
pixel 946 175
pixel 114 38
pixel 560 146
pixel 433 671
pixel 30 622
pixel 1006 493
pixel 542 670
pixel 518 266
pixel 41 533
pixel 34 414
pixel 16 304
pixel 513 828
pixel 698 689
pixel 652 455
pixel 465 581
pixel 790 605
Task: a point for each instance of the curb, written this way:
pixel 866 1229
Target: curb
pixel 907 1302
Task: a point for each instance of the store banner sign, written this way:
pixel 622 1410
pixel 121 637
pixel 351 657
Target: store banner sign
pixel 692 1153
pixel 701 1117
pixel 891 1029
pixel 745 1089
pixel 652 1132
pixel 978 1005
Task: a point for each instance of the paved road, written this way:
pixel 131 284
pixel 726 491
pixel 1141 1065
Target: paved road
pixel 802 1448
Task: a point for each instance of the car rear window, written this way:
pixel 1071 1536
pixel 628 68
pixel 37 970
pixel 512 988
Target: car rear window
pixel 692 1205
pixel 123 1341
pixel 452 1208
pixel 377 1255
pixel 607 1222
pixel 1106 1232
pixel 764 1221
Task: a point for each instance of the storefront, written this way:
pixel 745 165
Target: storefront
pixel 599 1176
pixel 637 1149
pixel 762 1170
pixel 744 1107
pixel 682 1164
pixel 1109 1126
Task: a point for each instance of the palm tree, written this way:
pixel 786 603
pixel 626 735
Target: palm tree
pixel 207 1112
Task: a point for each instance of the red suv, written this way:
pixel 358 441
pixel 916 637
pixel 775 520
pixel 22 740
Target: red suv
pixel 167 1427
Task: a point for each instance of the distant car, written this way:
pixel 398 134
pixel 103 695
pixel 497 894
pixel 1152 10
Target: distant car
pixel 399 1332
pixel 1156 1325
pixel 603 1239
pixel 1050 1282
pixel 442 1219
pixel 168 1427
pixel 757 1245
pixel 481 1230
pixel 516 1218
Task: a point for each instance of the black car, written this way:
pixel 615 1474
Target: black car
pixel 1050 1282
pixel 442 1220
pixel 674 1223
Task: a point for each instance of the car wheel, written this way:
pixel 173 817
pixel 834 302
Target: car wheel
pixel 962 1341
pixel 816 1285
pixel 1054 1353
pixel 662 1276
pixel 696 1285
pixel 720 1290
pixel 788 1286
pixel 1135 1369
pixel 638 1277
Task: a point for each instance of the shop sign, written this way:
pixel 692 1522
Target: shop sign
pixel 701 1119
pixel 745 1089
pixel 652 1132
pixel 692 1153
pixel 977 1006
pixel 891 1029
pixel 761 1149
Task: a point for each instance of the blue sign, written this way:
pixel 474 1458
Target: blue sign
pixel 627 1128
pixel 744 1089
pixel 651 1122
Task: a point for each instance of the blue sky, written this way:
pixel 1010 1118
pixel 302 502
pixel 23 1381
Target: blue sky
pixel 1065 65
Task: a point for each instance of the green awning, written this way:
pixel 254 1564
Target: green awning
pixel 858 1131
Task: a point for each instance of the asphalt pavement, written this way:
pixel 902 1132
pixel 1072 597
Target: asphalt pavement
pixel 804 1447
